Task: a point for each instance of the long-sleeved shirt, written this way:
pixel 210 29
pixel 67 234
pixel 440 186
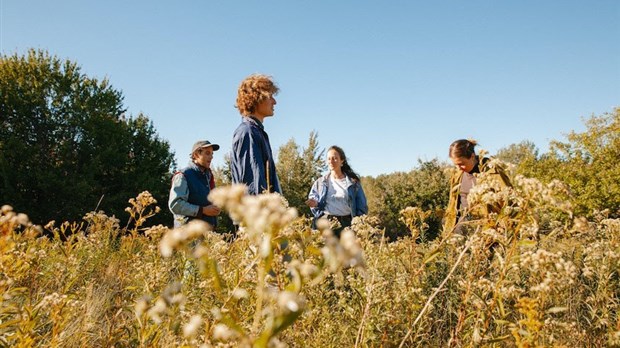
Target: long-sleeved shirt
pixel 188 194
pixel 252 160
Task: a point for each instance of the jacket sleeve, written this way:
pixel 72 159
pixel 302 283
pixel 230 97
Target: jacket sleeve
pixel 362 204
pixel 449 219
pixel 179 194
pixel 315 194
pixel 248 164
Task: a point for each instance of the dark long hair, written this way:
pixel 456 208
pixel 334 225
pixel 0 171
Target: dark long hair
pixel 463 148
pixel 346 168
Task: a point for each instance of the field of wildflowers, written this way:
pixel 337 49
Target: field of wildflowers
pixel 531 275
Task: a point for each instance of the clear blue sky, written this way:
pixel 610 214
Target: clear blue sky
pixel 389 81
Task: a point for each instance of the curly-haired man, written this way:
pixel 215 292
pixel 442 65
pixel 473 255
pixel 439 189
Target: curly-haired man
pixel 252 159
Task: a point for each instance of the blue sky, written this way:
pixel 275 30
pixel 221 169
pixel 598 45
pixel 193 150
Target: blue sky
pixel 389 81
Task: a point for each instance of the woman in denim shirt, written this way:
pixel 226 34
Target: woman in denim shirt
pixel 339 194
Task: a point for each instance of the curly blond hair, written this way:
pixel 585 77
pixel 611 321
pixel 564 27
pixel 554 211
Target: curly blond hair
pixel 253 90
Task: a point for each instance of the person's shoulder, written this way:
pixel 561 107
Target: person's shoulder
pixel 326 176
pixel 181 171
pixel 189 170
pixel 245 128
pixel 243 131
pixel 242 125
pixel 179 175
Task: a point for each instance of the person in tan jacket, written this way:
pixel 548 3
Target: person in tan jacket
pixel 463 155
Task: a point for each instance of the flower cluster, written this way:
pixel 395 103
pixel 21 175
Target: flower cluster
pixel 549 271
pixel 171 297
pixel 534 193
pixel 11 221
pixel 258 214
pixel 142 207
pixel 341 253
pixel 179 237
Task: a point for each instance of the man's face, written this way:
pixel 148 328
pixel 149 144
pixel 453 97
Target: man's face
pixel 265 107
pixel 203 157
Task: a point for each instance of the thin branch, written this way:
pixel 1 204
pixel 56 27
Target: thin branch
pixel 430 299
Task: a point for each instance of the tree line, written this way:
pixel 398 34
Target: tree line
pixel 67 147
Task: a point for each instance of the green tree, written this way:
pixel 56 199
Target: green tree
pixel 425 187
pixel 66 145
pixel 588 163
pixel 222 174
pixel 298 168
pixel 524 153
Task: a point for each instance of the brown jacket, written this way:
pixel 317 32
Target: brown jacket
pixel 451 214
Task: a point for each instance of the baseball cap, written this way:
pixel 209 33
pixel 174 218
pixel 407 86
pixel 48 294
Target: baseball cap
pixel 204 143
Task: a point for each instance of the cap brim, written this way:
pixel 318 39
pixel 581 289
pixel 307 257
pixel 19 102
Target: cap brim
pixel 214 146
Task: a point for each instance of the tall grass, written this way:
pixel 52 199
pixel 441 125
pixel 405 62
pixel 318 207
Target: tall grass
pixel 530 275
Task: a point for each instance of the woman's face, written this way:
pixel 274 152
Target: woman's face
pixel 334 162
pixel 463 163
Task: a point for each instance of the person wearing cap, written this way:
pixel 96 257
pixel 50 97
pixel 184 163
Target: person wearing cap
pixel 191 186
pixel 252 161
pixel 339 194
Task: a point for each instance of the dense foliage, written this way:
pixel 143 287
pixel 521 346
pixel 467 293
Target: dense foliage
pixel 425 187
pixel 297 170
pixel 66 144
pixel 587 162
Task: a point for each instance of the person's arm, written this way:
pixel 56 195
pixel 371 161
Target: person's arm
pixel 451 212
pixel 362 204
pixel 313 199
pixel 179 194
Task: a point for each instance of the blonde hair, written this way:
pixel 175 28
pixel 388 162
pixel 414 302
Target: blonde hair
pixel 253 90
pixel 463 148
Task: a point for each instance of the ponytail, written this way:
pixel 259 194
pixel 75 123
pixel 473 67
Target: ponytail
pixel 462 148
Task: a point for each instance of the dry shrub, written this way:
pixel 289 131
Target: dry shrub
pixel 531 274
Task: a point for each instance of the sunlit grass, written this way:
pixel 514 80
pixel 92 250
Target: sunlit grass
pixel 529 275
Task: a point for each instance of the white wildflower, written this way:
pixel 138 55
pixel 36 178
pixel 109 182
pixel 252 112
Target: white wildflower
pixel 221 332
pixel 240 293
pixel 289 302
pixel 191 328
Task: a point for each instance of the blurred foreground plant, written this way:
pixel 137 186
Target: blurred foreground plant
pixel 252 307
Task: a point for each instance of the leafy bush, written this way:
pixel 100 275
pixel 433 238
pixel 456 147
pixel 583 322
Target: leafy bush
pixel 587 162
pixel 425 187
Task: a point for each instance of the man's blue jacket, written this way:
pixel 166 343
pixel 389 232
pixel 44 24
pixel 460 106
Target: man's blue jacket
pixel 251 162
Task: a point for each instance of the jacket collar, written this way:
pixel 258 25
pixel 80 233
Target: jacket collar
pixel 326 177
pixel 253 120
pixel 193 165
pixel 476 168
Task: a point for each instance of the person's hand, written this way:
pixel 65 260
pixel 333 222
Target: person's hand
pixel 312 203
pixel 211 210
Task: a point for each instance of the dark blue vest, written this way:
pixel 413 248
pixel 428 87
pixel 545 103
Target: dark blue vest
pixel 198 185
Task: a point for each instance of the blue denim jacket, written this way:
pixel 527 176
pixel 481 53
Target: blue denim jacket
pixel 357 198
pixel 251 162
pixel 188 194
